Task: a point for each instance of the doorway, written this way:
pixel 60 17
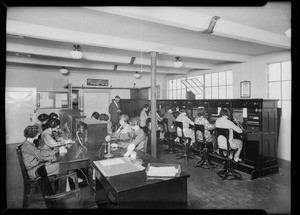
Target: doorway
pixel 20 111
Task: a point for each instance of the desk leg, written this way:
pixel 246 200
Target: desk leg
pixel 101 197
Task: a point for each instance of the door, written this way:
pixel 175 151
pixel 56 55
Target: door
pixel 20 111
pixel 96 101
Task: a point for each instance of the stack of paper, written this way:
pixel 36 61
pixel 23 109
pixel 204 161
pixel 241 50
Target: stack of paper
pixel 116 166
pixel 165 171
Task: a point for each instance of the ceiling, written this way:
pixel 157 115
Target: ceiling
pixel 120 39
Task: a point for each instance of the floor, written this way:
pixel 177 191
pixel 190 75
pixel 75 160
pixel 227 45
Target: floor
pixel 206 190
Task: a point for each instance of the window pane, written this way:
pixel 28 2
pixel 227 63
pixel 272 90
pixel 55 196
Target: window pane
pixel 274 72
pixel 170 85
pixel 200 78
pixel 178 94
pixel 178 84
pixel 183 94
pixel 174 84
pixel 286 109
pixel 214 79
pixel 286 90
pixel 208 80
pixel 199 96
pixel 286 71
pixel 214 93
pixel 274 90
pixel 229 92
pixel 229 77
pixel 169 94
pixel 207 92
pixel 222 92
pixel 222 78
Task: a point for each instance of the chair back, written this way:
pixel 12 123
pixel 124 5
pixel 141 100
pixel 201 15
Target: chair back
pixel 25 175
pixel 200 128
pixel 225 133
pixel 165 125
pixel 43 181
pixel 179 125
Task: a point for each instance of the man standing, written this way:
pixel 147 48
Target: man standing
pixel 114 110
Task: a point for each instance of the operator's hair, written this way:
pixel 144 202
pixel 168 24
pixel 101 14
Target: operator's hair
pixel 52 123
pixel 225 112
pixel 43 117
pixel 134 121
pixel 31 131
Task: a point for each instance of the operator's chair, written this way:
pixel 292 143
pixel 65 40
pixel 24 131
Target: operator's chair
pixel 62 199
pixel 204 161
pixel 185 142
pixel 28 182
pixel 227 172
pixel 169 137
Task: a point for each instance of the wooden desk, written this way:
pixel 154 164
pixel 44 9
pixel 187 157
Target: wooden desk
pixel 134 191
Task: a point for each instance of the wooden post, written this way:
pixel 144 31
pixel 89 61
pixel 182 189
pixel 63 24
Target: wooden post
pixel 153 104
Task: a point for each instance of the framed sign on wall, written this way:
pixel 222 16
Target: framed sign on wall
pixel 245 89
pixel 97 82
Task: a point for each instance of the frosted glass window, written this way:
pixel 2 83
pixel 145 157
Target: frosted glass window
pixel 222 78
pixel 208 80
pixel 214 92
pixel 229 92
pixel 274 72
pixel 222 92
pixel 170 85
pixel 183 94
pixel 178 94
pixel 214 79
pixel 286 71
pixel 200 78
pixel 208 92
pixel 229 77
pixel 286 90
pixel 170 94
pixel 286 109
pixel 274 90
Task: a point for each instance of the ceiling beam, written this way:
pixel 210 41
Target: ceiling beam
pixel 90 65
pixel 50 51
pixel 81 38
pixel 195 21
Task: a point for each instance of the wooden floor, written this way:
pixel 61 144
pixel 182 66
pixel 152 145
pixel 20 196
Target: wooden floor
pixel 205 189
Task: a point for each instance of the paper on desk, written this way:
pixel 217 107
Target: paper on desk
pixel 110 162
pixel 162 171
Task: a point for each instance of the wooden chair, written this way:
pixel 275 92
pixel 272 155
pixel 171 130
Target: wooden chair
pixel 28 182
pixel 169 137
pixel 204 161
pixel 227 172
pixel 185 142
pixel 61 198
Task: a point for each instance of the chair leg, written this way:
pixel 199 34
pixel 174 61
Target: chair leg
pixel 204 161
pixel 228 172
pixel 26 194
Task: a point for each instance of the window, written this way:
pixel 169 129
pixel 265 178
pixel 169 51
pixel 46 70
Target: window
pixel 219 85
pixel 208 86
pixel 176 90
pixel 280 85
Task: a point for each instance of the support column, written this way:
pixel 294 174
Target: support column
pixel 153 105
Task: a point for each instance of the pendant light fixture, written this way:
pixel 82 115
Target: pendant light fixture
pixel 76 54
pixel 64 71
pixel 178 63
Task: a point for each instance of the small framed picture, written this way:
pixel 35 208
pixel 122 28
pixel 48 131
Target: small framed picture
pixel 245 89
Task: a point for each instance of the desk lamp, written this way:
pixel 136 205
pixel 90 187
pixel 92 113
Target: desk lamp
pixel 108 155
